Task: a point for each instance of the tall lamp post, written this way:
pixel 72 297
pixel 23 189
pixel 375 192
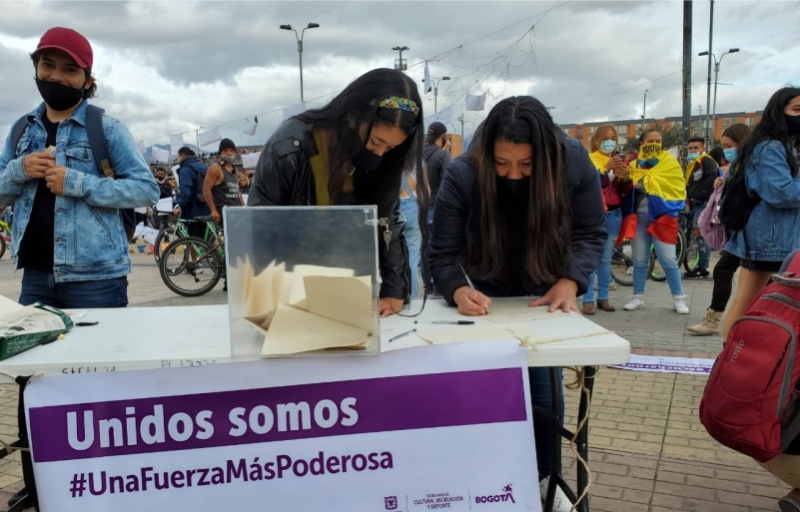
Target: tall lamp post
pixel 400 64
pixel 644 112
pixel 436 82
pixel 300 50
pixel 717 64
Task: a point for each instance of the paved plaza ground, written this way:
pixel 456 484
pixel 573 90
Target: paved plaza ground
pixel 649 452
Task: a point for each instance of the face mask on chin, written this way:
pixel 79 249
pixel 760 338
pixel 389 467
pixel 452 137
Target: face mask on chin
pixel 59 97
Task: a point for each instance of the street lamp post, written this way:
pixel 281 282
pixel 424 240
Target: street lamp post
pixel 436 82
pixel 717 64
pixel 644 112
pixel 300 50
pixel 400 64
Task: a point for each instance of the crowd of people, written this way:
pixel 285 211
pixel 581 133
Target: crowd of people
pixel 526 212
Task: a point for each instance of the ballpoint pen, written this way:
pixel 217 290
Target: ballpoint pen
pixel 448 322
pixel 402 335
pixel 469 282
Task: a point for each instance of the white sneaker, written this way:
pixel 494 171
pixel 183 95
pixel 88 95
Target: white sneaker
pixel 637 302
pixel 561 503
pixel 680 305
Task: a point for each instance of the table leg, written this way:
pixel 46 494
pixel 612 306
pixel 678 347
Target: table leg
pixel 582 436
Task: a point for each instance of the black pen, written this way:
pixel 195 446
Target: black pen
pixel 51 339
pixel 402 335
pixel 447 322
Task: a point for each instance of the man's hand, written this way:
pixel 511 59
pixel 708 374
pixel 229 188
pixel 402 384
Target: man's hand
pixel 35 164
pixel 471 302
pixel 54 177
pixel 390 306
pixel 176 211
pixel 563 295
pixel 215 215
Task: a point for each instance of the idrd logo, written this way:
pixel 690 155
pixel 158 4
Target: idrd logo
pixel 507 495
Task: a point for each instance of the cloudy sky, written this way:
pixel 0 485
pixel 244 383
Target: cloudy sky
pixel 168 67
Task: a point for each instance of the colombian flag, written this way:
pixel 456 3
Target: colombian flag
pixel 665 184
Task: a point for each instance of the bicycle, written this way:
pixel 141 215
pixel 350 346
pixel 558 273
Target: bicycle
pixel 5 237
pixel 622 264
pixel 192 266
pixel 179 228
pixel 690 258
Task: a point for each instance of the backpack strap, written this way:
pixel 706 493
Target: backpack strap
pixel 16 132
pixel 97 139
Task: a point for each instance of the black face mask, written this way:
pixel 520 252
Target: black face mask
pixel 515 188
pixel 793 122
pixel 365 160
pixel 59 97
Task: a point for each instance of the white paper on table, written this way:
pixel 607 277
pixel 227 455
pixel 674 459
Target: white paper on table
pixel 507 312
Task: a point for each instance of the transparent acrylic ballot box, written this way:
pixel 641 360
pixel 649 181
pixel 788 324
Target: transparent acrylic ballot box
pixel 302 280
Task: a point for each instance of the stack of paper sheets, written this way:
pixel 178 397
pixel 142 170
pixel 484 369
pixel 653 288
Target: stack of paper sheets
pixel 311 308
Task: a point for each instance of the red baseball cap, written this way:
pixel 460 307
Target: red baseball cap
pixel 69 41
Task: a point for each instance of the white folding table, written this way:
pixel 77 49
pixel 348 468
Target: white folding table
pixel 141 338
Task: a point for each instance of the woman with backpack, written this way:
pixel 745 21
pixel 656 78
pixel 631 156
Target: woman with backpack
pixel 761 201
pixel 714 234
pixel 354 151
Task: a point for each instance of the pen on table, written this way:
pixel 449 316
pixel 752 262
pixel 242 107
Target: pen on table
pixel 86 324
pixel 51 339
pixel 469 282
pixel 401 335
pixel 447 322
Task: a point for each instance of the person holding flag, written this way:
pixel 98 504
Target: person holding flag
pixel 651 217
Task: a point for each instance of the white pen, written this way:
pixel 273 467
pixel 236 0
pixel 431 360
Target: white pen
pixel 469 282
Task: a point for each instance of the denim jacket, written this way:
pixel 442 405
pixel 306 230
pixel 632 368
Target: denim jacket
pixel 90 241
pixel 773 229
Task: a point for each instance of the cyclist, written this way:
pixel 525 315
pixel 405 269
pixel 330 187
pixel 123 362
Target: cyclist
pixel 191 203
pixel 701 171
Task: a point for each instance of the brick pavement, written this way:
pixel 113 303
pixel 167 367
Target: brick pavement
pixel 649 452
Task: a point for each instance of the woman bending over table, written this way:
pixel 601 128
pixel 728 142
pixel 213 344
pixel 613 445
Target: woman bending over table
pixel 353 151
pixel 522 214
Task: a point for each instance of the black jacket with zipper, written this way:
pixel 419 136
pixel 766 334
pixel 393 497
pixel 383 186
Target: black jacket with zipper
pixel 455 204
pixel 284 177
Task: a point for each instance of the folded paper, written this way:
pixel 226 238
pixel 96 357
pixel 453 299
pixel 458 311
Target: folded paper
pixel 294 331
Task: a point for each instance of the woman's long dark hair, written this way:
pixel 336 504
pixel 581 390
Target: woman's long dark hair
pixel 520 120
pixel 771 127
pixel 357 106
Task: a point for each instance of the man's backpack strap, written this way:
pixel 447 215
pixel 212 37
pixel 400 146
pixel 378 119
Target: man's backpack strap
pixel 99 145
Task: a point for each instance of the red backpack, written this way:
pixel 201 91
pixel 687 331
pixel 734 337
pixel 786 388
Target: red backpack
pixel 750 402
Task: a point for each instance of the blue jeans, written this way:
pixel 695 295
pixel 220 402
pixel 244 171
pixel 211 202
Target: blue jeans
pixel 542 396
pixel 413 237
pixel 603 272
pixel 641 257
pixel 702 246
pixel 42 287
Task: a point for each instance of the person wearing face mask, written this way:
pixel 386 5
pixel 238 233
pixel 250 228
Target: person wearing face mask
pixel 701 172
pixel 651 217
pixel 615 185
pixel 761 200
pixel 354 151
pixel 191 199
pixel 714 232
pixel 522 215
pixel 221 186
pixel 78 258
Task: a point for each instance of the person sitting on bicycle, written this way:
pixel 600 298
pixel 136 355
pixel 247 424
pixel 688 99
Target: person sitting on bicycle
pixel 701 172
pixel 652 217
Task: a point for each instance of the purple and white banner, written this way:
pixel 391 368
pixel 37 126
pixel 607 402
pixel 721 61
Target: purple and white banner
pixel 440 427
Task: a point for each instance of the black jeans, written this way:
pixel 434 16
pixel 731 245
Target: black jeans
pixel 723 280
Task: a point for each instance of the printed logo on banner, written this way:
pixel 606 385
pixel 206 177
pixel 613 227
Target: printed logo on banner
pixel 506 496
pixel 441 500
pixel 390 502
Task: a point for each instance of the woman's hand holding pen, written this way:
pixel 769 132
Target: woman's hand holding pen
pixel 471 302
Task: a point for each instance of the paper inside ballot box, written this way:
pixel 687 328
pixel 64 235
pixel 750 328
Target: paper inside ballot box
pixel 293 331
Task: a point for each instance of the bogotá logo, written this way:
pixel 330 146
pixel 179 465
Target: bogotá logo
pixel 390 502
pixel 498 498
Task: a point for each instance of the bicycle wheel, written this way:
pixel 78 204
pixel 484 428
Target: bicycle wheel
pixel 191 267
pixel 654 270
pixel 2 243
pixel 165 237
pixel 680 248
pixel 692 255
pixel 622 264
